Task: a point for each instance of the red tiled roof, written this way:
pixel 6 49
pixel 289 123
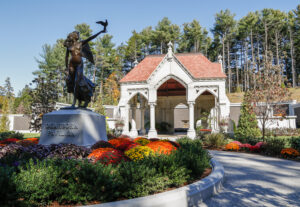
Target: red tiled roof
pixel 196 63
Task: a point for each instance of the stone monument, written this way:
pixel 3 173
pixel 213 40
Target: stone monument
pixel 79 126
pixel 76 125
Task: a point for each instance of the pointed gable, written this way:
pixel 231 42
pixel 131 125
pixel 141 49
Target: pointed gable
pixel 197 64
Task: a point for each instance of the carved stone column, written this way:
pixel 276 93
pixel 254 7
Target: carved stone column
pixel 133 131
pixel 125 116
pixel 191 131
pixel 152 132
pixel 143 131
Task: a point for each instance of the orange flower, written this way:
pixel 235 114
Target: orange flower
pixel 121 143
pixel 289 152
pixel 232 146
pixel 34 140
pixel 161 147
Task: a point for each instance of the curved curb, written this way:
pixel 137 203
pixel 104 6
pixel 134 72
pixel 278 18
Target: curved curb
pixel 190 195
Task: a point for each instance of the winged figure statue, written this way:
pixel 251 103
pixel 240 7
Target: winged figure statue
pixel 81 87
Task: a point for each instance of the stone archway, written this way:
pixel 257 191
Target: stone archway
pixel 169 94
pixel 138 114
pixel 206 111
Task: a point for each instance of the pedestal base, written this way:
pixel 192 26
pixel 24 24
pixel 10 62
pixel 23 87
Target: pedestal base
pixel 191 134
pixel 152 133
pixel 73 126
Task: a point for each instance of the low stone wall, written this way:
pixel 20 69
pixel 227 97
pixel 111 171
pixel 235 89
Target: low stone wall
pixel 190 195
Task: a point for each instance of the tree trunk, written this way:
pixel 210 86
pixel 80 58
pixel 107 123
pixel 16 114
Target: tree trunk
pixel 246 69
pixel 266 42
pixel 223 55
pixel 292 57
pixel 229 68
pixel 237 71
pixel 252 65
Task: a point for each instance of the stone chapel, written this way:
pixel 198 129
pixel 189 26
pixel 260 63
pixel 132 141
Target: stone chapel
pixel 160 82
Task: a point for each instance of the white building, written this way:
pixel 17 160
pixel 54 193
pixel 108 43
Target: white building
pixel 159 83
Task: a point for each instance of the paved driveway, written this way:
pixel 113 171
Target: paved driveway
pixel 253 180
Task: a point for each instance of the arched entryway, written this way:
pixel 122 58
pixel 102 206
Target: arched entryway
pixel 138 115
pixel 170 94
pixel 206 111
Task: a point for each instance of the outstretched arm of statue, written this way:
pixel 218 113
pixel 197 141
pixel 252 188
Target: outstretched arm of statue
pixel 95 35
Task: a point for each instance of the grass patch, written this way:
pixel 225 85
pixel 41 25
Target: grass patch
pixel 31 135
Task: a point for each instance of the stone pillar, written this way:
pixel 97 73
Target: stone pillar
pixel 191 131
pixel 125 116
pixel 152 132
pixel 133 131
pixel 143 131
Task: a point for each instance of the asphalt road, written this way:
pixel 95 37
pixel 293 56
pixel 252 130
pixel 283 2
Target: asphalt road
pixel 254 180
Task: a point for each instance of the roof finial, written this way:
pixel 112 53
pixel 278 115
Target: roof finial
pixel 220 61
pixel 170 45
pixel 135 63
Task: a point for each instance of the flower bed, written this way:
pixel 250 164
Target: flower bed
pixel 69 174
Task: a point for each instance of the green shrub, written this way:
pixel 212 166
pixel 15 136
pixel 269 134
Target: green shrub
pixel 249 140
pixel 66 181
pixel 8 193
pixel 11 134
pixel 273 146
pixel 193 156
pixel 214 140
pixel 247 126
pixel 295 143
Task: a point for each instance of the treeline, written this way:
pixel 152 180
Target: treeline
pixel 245 45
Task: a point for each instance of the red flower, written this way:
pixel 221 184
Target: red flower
pixel 9 140
pixel 205 130
pixel 121 143
pixel 254 148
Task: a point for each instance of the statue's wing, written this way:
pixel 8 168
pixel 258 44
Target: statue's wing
pixel 87 53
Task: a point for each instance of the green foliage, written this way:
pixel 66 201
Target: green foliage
pixel 214 140
pixel 11 134
pixel 44 97
pixel 295 143
pixel 247 126
pixel 274 145
pixel 68 181
pixel 8 192
pixel 4 121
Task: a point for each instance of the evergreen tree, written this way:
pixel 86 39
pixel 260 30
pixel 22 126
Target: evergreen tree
pixel 247 126
pixel 4 121
pixel 44 97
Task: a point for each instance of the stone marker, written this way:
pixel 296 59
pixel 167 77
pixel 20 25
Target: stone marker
pixel 74 126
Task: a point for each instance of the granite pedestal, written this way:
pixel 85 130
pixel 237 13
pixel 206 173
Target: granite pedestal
pixel 74 126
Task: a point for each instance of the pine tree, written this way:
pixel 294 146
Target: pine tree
pixel 247 126
pixel 4 121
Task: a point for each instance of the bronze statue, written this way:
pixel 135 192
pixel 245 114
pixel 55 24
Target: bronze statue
pixel 81 87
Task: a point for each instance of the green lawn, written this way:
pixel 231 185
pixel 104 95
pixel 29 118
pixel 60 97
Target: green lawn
pixel 30 135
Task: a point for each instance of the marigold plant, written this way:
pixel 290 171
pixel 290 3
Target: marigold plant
pixel 290 152
pixel 232 146
pixel 142 141
pixel 132 146
pixel 34 140
pixel 139 152
pixel 161 147
pixel 107 156
pixel 121 143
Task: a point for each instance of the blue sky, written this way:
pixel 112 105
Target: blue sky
pixel 28 24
